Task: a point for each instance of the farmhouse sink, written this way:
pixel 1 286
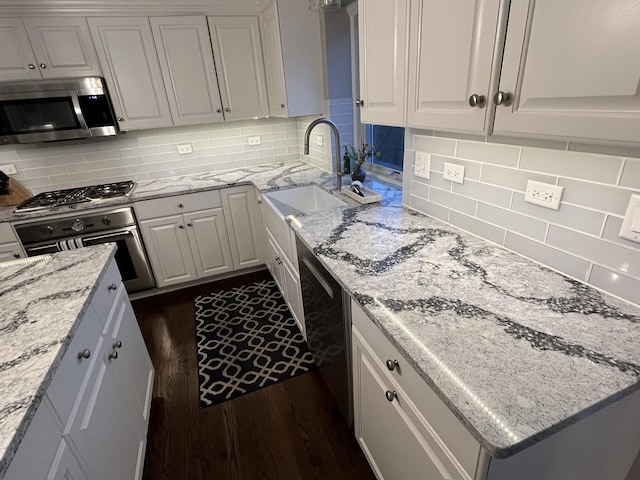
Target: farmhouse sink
pixel 294 201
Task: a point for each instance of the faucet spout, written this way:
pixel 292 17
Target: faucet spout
pixel 334 129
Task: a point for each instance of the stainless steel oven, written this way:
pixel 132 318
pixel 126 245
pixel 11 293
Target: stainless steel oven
pixel 93 228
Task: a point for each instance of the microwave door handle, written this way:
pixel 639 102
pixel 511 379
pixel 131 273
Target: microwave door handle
pixel 78 110
pixel 107 236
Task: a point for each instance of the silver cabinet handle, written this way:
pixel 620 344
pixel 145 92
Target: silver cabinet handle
pixel 392 364
pixel 112 287
pixel 42 65
pixel 218 110
pixel 360 103
pixel 113 355
pixel 31 66
pixel 86 353
pixel 117 344
pixel 180 205
pixel 476 100
pixel 121 119
pixel 391 395
pixel 502 98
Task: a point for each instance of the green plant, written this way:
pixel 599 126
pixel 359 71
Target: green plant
pixel 360 156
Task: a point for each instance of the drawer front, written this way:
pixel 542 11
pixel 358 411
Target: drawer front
pixel 6 233
pixel 10 251
pixel 453 433
pixel 71 372
pixel 178 204
pixel 105 294
pixel 280 230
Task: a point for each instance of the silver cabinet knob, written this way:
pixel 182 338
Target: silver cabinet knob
pixel 503 98
pixel 16 255
pixel 121 119
pixel 259 202
pixel 117 344
pixel 113 355
pixel 278 260
pixel 227 109
pixel 360 103
pixel 392 364
pixel 180 205
pixel 86 353
pixel 42 65
pixel 181 227
pixel 218 110
pixel 113 287
pixel 391 395
pixel 31 66
pixel 476 100
pixel 282 105
pixel 189 224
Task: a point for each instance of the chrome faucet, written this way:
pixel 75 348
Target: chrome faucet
pixel 337 135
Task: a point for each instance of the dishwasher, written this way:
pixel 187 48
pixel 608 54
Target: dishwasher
pixel 327 315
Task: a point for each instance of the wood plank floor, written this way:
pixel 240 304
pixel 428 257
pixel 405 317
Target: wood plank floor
pixel 291 430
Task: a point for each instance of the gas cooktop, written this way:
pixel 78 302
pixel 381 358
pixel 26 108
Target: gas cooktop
pixel 72 196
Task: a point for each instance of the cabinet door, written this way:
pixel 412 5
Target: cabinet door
pixel 293 294
pixel 63 46
pixel 273 63
pixel 130 65
pixel 240 66
pixel 169 251
pixel 383 34
pixel 451 55
pixel 243 225
pixel 579 83
pixel 10 251
pixel 189 74
pixel 106 433
pixel 17 61
pixel 65 465
pixel 390 440
pixel 209 242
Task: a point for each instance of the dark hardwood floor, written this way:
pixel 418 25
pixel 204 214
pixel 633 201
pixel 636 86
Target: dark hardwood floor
pixel 290 430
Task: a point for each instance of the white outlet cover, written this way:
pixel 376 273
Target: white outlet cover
pixel 319 140
pixel 422 165
pixel 185 148
pixel 9 169
pixel 543 194
pixel 631 224
pixel 453 172
pixel 254 140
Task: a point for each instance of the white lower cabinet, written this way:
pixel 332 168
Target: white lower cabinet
pixel 10 251
pixel 243 224
pixel 92 422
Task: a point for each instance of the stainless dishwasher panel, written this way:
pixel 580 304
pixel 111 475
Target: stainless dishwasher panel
pixel 327 314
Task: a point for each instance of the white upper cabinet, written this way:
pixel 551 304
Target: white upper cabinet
pixel 240 66
pixel 292 47
pixel 52 47
pixel 383 46
pixel 188 69
pixel 130 65
pixel 451 54
pixel 573 69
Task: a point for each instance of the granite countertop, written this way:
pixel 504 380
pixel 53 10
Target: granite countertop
pixel 515 350
pixel 42 304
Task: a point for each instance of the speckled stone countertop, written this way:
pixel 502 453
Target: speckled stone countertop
pixel 42 304
pixel 515 350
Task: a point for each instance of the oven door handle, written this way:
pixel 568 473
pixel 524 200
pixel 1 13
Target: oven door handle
pixel 41 247
pixel 107 236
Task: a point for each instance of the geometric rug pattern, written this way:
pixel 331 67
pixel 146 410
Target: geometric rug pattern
pixel 247 339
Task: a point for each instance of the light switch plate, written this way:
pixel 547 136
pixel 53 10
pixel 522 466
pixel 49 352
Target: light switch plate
pixel 543 194
pixel 184 149
pixel 631 224
pixel 453 172
pixel 254 140
pixel 319 140
pixel 422 165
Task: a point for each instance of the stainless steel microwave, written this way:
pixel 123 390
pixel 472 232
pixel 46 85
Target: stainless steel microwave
pixel 50 110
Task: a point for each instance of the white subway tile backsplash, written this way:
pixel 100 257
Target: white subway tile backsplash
pixel 568 215
pixel 541 253
pixel 453 201
pixel 505 155
pixel 432 209
pixel 103 155
pixel 441 146
pixel 611 232
pixel 156 140
pixel 420 189
pixel 477 227
pixel 631 174
pixel 600 251
pixel 587 166
pixel 511 177
pixel 616 283
pixel 484 192
pixel 471 169
pixel 599 197
pixel 512 221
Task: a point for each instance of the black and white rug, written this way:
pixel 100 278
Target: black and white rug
pixel 246 339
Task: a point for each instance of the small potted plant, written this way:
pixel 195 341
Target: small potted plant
pixel 359 157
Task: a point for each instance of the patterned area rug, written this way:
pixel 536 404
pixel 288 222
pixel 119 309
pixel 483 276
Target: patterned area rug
pixel 246 339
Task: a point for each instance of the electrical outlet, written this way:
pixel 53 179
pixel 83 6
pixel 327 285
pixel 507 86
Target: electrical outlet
pixel 184 149
pixel 319 140
pixel 9 169
pixel 631 225
pixel 453 172
pixel 254 140
pixel 543 194
pixel 422 165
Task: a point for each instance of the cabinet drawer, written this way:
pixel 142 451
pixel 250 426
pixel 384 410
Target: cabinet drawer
pixel 6 233
pixel 178 204
pixel 460 442
pixel 71 372
pixel 105 294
